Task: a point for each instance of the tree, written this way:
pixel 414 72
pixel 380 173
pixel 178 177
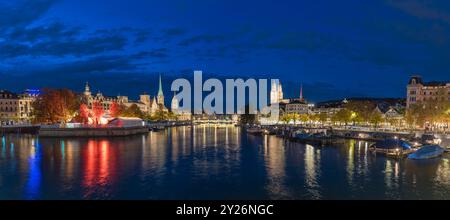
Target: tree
pixel 286 118
pixel 302 117
pixel 84 113
pixel 160 115
pixel 314 117
pixel 343 116
pixel 414 116
pixel 115 110
pixel 295 117
pixel 133 111
pixel 376 118
pixel 362 110
pixel 55 106
pixel 429 111
pixel 323 117
pixel 97 112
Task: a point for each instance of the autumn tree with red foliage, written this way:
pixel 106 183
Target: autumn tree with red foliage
pixel 55 106
pixel 84 113
pixel 97 111
pixel 115 110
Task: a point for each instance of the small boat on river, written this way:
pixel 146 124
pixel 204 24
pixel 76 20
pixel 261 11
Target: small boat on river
pixel 427 152
pixel 256 130
pixel 429 138
pixel 392 147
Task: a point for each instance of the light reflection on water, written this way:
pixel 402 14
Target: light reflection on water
pixel 210 162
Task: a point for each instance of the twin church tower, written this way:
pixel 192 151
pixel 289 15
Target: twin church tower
pixel 276 92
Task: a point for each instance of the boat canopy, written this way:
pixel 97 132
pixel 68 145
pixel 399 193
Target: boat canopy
pixel 427 152
pixel 392 144
pixel 429 149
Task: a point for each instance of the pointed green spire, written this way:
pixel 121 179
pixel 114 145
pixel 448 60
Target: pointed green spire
pixel 160 91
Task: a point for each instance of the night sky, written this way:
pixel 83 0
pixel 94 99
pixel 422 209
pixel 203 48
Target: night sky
pixel 335 49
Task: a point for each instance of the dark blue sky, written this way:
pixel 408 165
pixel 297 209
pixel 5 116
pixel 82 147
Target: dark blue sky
pixel 336 49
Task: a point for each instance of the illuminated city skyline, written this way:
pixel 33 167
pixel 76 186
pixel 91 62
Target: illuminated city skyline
pixel 348 50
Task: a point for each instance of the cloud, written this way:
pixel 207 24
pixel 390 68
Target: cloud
pixel 170 32
pixel 106 64
pixel 22 13
pixel 21 37
pixel 140 35
pixel 156 53
pixel 205 38
pixel 63 47
pixel 59 40
pixel 432 10
pixel 54 31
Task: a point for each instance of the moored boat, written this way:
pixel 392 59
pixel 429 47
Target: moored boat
pixel 429 138
pixel 392 147
pixel 427 152
pixel 158 128
pixel 255 130
pixel 301 135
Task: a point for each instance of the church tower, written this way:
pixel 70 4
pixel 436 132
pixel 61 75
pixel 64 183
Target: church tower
pixel 160 93
pixel 154 106
pixel 273 92
pixel 276 92
pixel 280 92
pixel 87 90
pixel 174 105
pixel 301 93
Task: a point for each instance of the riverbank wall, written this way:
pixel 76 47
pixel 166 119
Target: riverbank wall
pixel 19 129
pixel 92 132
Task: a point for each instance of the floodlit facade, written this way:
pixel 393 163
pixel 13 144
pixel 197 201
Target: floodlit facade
pixel 418 91
pixel 145 103
pixel 16 108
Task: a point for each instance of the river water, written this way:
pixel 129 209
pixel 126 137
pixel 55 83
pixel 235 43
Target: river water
pixel 210 162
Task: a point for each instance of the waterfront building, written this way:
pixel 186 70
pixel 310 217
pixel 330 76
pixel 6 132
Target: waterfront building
pixel 418 91
pixel 214 118
pixel 297 105
pixel 391 114
pixel 16 108
pixel 181 115
pixel 145 102
pixel 330 107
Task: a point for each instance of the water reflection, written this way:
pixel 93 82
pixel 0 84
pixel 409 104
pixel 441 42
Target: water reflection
pixel 210 162
pixel 274 155
pixel 312 168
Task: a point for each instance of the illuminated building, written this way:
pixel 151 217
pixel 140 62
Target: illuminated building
pixel 181 115
pixel 174 105
pixel 160 96
pixel 145 103
pixel 276 92
pixel 418 91
pixel 297 106
pixel 16 108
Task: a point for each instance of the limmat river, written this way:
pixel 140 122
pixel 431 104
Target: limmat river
pixel 210 162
